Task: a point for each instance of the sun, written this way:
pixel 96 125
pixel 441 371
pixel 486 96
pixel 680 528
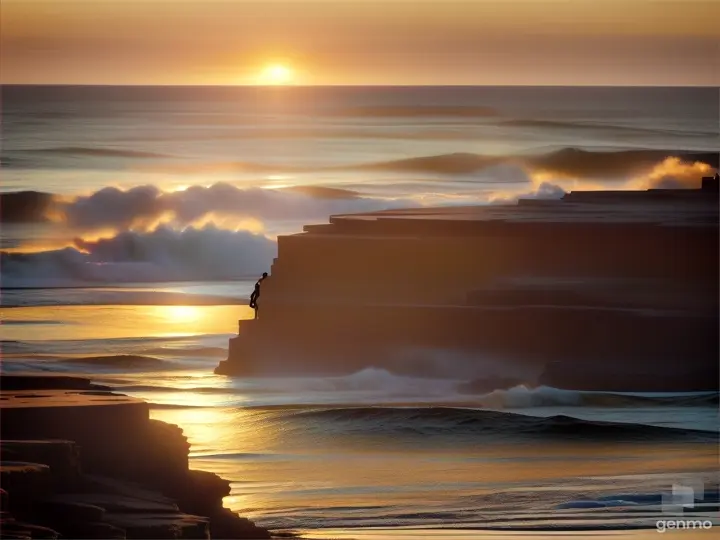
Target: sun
pixel 276 74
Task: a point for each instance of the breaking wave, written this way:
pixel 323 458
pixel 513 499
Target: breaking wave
pixel 162 255
pixel 522 397
pixel 216 232
pixel 374 387
pixel 589 164
pixel 142 206
pixel 121 208
pixel 575 162
pixel 149 235
pixel 312 202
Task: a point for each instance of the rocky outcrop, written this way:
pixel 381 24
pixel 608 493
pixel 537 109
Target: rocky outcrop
pixel 629 277
pixel 87 463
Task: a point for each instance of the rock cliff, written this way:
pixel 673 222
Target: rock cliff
pixel 616 281
pixel 82 462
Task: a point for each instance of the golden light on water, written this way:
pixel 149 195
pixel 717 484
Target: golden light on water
pixel 108 322
pixel 183 313
pixel 277 464
pixel 279 459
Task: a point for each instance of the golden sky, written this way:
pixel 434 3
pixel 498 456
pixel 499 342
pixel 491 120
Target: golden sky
pixel 440 42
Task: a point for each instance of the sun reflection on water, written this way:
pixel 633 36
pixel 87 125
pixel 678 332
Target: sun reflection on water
pixel 183 313
pixel 108 322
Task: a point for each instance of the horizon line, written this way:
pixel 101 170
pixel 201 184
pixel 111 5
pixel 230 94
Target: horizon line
pixel 371 85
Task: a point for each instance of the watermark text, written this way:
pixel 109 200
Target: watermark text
pixel 663 525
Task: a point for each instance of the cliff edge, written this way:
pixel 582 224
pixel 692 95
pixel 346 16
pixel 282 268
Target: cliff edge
pixel 607 290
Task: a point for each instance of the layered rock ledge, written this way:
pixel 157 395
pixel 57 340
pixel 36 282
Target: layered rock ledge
pixel 79 461
pixel 605 290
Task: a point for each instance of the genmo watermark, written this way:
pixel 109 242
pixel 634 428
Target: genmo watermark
pixel 682 524
pixel 680 499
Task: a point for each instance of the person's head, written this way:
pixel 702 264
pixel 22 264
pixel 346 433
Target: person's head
pixel 264 274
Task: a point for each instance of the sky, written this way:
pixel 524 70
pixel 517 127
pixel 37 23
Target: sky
pixel 353 42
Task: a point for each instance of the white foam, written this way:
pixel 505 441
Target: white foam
pixel 191 254
pixel 522 397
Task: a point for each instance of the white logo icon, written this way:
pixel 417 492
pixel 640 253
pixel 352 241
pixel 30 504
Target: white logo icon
pixel 683 496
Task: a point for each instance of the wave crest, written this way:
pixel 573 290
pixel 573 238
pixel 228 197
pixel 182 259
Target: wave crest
pixel 202 254
pixel 522 397
pixel 143 207
pixel 581 163
pixel 575 162
pixel 434 421
pixel 122 209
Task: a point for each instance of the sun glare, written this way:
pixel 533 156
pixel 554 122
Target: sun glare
pixel 276 74
pixel 183 314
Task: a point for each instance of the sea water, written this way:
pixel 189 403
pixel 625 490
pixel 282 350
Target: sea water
pixel 164 205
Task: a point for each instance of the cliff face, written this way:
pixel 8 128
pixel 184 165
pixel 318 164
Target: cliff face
pixel 616 278
pixel 87 463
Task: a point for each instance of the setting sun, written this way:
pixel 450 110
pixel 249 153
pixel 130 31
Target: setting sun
pixel 276 74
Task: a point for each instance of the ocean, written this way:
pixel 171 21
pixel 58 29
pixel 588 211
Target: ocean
pixel 135 221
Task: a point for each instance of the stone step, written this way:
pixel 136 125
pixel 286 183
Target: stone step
pixel 25 481
pixel 61 456
pixel 88 504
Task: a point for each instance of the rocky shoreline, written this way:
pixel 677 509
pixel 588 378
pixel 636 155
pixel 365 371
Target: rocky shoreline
pixel 80 461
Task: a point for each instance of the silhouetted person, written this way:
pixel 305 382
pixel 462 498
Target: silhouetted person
pixel 256 295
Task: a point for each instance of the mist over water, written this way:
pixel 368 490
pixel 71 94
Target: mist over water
pixel 147 213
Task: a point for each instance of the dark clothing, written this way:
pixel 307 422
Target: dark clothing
pixel 255 296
